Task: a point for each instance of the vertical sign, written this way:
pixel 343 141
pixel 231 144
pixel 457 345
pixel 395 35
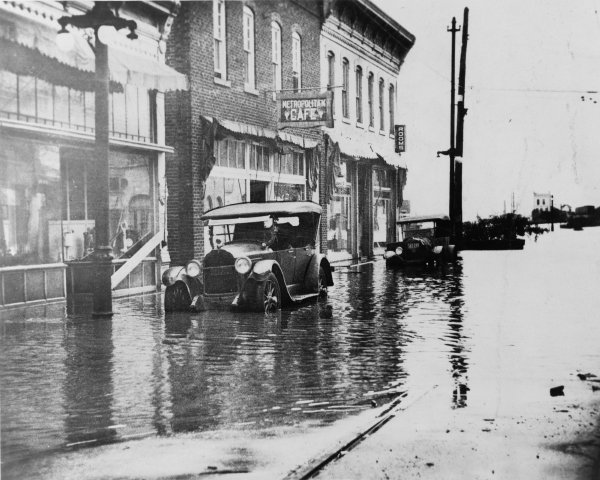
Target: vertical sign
pixel 400 138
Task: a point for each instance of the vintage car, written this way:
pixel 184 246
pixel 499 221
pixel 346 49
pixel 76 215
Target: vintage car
pixel 425 241
pixel 263 257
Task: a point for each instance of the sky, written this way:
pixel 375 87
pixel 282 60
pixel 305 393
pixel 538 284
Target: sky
pixel 528 129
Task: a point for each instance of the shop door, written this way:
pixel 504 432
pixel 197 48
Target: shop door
pixel 258 191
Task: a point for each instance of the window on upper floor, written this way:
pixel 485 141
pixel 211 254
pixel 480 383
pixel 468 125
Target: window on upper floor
pixel 296 61
pixel 276 55
pixel 392 102
pixel 359 99
pixel 248 34
pixel 370 82
pixel 331 77
pixel 345 82
pixel 381 101
pixel 220 50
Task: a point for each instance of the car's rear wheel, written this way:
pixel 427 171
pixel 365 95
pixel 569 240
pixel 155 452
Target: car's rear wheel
pixel 268 295
pixel 322 285
pixel 177 298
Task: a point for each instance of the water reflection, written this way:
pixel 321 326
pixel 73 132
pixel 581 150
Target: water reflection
pixel 146 371
pixel 88 386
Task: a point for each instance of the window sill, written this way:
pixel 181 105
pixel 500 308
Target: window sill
pixel 251 90
pixel 220 81
pixel 346 120
pixel 371 129
pixel 382 132
pixel 360 125
pixel 391 135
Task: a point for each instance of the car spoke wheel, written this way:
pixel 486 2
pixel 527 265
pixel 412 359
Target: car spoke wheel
pixel 269 295
pixel 177 298
pixel 322 285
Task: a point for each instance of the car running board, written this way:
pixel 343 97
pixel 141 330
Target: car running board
pixel 301 298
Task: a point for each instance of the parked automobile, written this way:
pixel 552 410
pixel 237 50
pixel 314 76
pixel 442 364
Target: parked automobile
pixel 425 240
pixel 263 257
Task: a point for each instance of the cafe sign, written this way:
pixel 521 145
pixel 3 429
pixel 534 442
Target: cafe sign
pixel 305 110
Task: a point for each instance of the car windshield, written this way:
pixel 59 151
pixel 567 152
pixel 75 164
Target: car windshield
pixel 426 229
pixel 275 232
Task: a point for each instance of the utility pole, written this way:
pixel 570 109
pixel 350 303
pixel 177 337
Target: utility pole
pixel 452 204
pixel 456 138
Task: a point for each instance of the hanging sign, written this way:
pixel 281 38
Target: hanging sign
pixel 400 138
pixel 305 110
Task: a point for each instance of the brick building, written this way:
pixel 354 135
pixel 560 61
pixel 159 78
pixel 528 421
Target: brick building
pixel 227 147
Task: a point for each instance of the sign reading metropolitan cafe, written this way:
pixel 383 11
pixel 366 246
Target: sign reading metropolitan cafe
pixel 305 110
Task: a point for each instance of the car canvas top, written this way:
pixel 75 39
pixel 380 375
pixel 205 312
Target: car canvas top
pixel 424 218
pixel 243 210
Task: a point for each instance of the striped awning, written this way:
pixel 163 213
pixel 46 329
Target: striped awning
pixel 36 30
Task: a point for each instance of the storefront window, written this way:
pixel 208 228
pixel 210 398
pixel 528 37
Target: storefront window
pixel 131 204
pixel 289 192
pixel 8 92
pixel 290 163
pixel 381 206
pixel 339 222
pixel 32 99
pixel 30 193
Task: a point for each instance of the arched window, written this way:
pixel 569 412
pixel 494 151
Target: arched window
pixel 359 99
pixel 345 81
pixel 331 78
pixel 296 61
pixel 248 35
pixel 381 100
pixel 276 55
pixel 220 49
pixel 392 102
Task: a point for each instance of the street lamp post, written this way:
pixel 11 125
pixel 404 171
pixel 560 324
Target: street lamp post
pixel 104 22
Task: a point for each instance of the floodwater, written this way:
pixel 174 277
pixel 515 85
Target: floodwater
pixel 495 321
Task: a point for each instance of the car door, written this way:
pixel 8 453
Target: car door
pixel 287 261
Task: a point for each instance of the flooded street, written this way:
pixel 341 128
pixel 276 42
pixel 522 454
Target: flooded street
pixel 493 332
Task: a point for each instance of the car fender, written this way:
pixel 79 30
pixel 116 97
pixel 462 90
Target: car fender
pixel 260 272
pixel 311 276
pixel 173 275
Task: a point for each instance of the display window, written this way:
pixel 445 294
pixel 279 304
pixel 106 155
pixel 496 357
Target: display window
pixel 30 203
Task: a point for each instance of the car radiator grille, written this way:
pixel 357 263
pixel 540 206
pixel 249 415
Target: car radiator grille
pixel 220 280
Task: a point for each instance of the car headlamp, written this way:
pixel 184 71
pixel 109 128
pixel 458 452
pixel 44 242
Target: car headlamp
pixel 243 265
pixel 389 254
pixel 193 268
pixel 399 250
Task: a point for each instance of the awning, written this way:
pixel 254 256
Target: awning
pixel 241 130
pixel 144 71
pixel 362 146
pixel 36 31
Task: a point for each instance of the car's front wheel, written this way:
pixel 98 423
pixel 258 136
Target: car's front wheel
pixel 177 298
pixel 268 295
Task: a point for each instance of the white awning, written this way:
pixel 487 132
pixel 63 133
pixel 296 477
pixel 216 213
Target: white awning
pixel 360 145
pixel 38 32
pixel 256 131
pixel 143 71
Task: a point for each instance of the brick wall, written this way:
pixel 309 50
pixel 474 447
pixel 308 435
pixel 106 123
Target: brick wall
pixel 190 51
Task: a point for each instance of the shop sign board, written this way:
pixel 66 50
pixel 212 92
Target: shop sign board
pixel 305 110
pixel 400 138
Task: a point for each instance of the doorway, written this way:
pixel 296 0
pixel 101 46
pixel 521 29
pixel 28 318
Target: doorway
pixel 258 191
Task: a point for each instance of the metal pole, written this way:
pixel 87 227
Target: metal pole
pixel 452 206
pixel 552 212
pixel 102 257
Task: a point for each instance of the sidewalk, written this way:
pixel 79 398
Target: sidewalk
pixel 560 441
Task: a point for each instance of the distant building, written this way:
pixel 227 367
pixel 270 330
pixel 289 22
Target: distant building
pixel 542 201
